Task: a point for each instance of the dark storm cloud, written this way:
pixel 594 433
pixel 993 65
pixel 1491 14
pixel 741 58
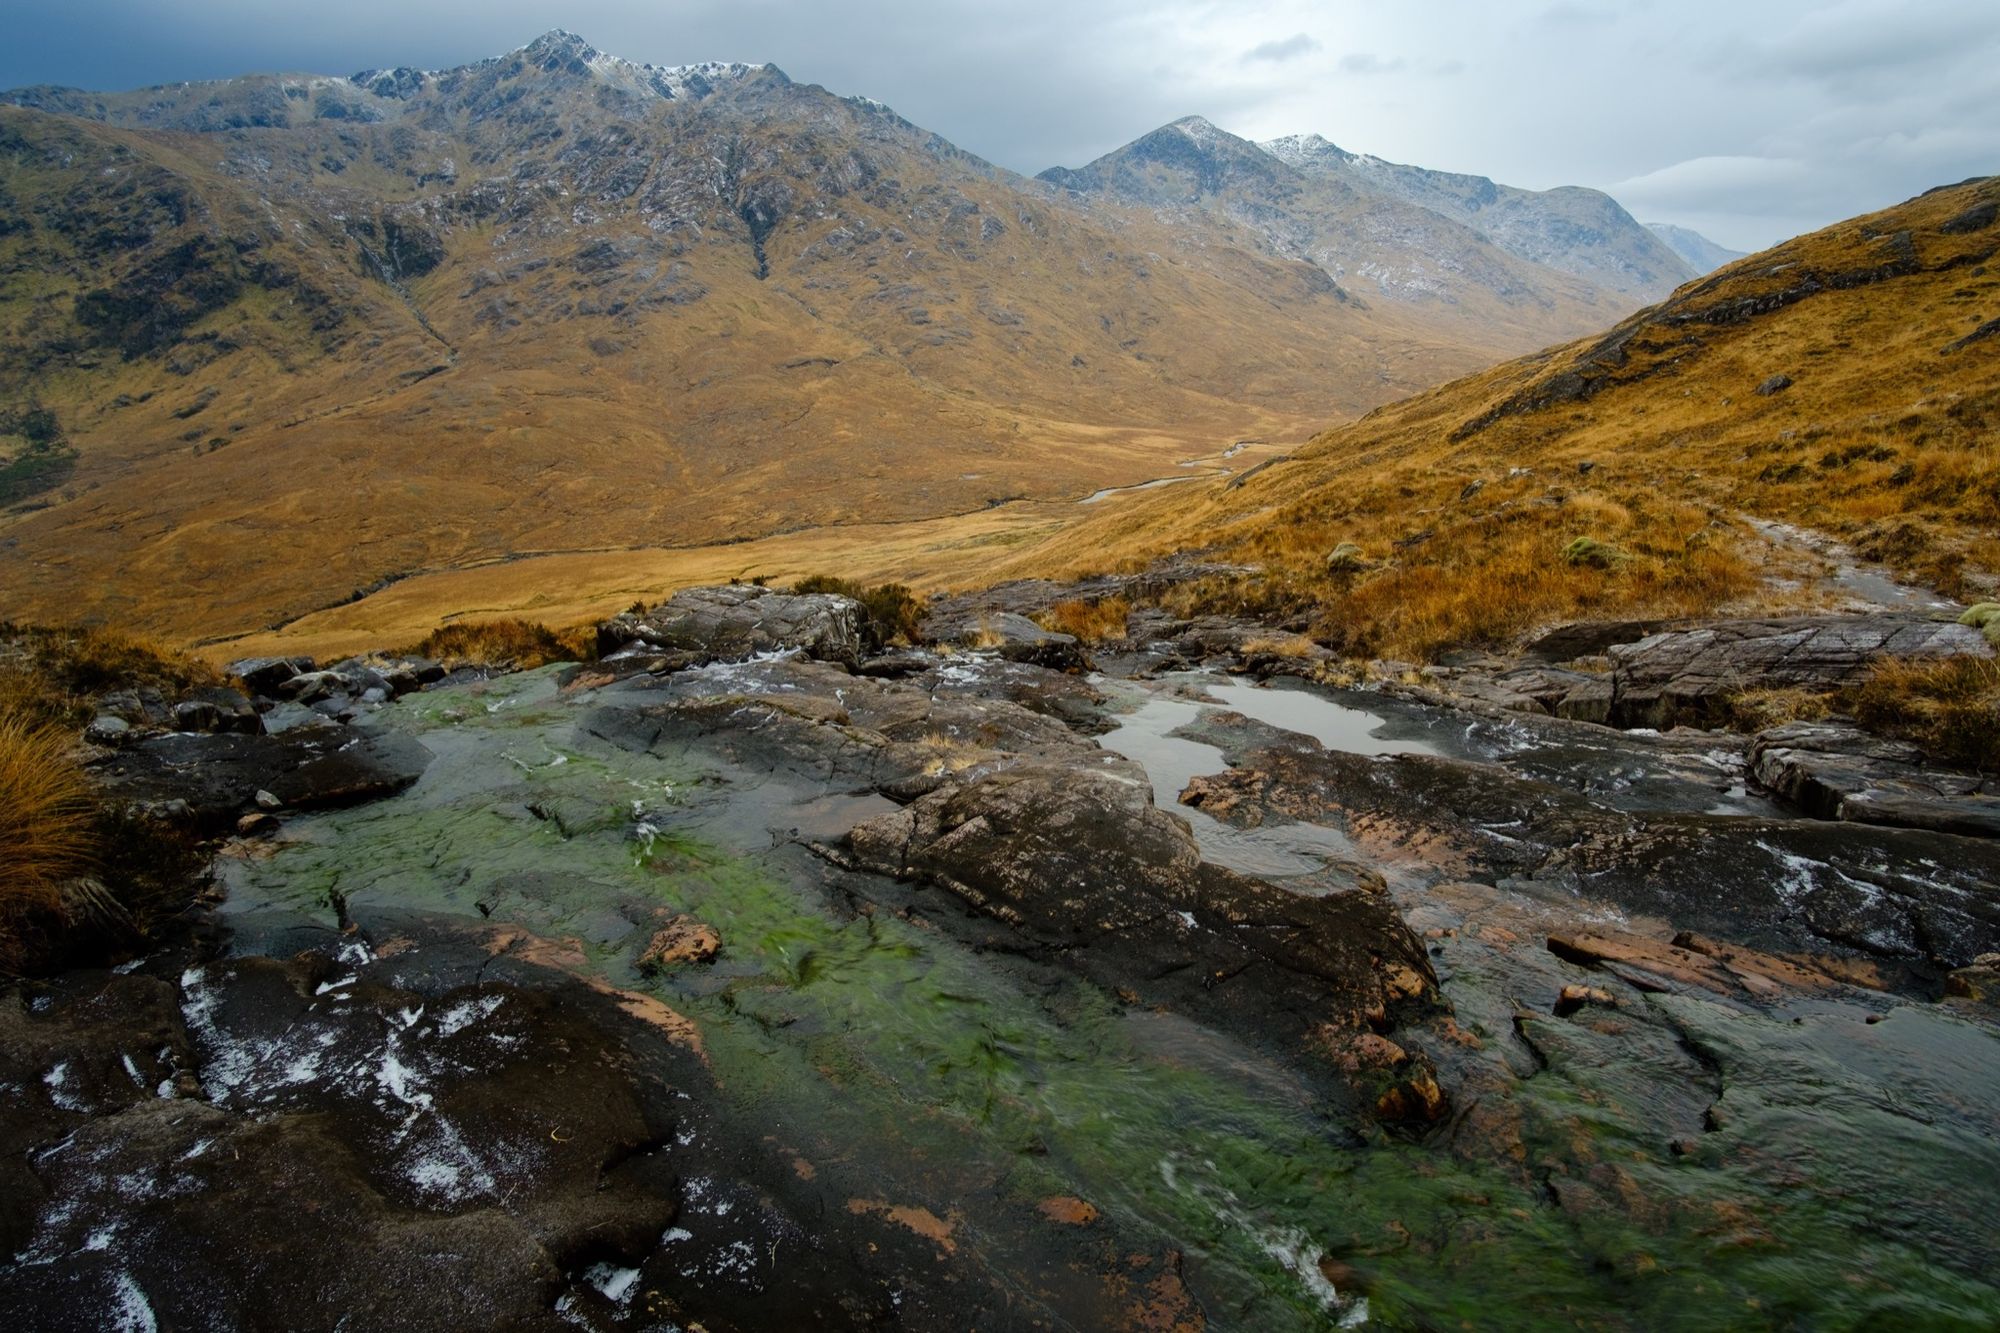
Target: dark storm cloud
pixel 1750 122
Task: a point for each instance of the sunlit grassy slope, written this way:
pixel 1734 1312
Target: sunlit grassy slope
pixel 1653 441
pixel 303 339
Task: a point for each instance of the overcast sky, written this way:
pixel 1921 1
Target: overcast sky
pixel 1749 120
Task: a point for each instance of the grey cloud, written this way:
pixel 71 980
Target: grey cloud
pixel 1835 107
pixel 1361 62
pixel 1291 48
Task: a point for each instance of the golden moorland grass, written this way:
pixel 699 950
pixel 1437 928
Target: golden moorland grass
pixel 1086 621
pixel 511 643
pixel 1613 477
pixel 56 675
pixel 1951 707
pixel 306 445
pixel 48 812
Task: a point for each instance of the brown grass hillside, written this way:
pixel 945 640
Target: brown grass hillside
pixel 1612 476
pixel 298 339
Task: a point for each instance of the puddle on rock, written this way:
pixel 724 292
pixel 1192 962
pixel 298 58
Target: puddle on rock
pixel 1284 851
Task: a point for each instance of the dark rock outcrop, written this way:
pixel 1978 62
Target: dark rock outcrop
pixel 1911 900
pixel 1833 770
pixel 209 780
pixel 1690 675
pixel 1014 637
pixel 263 675
pixel 738 620
pixel 1081 867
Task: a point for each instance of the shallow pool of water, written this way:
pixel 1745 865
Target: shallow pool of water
pixel 1335 726
pixel 1172 762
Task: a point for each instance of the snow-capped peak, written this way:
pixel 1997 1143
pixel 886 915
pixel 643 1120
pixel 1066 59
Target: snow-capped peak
pixel 1200 130
pixel 1301 149
pixel 558 47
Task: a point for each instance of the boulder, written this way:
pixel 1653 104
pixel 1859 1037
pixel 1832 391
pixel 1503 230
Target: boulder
pixel 1068 698
pixel 739 620
pixel 143 707
pixel 1835 770
pixel 1014 637
pixel 218 708
pixel 263 675
pixel 1079 867
pixel 1690 675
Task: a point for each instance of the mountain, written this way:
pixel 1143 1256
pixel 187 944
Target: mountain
pixel 1572 230
pixel 1206 182
pixel 1846 382
pixel 1702 255
pixel 271 341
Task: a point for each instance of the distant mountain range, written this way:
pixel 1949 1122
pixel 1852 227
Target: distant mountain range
pixel 1701 254
pixel 268 341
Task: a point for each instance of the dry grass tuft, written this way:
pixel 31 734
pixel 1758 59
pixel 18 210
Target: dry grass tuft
pixel 55 676
pixel 1756 710
pixel 954 754
pixel 1087 622
pixel 47 811
pixel 519 644
pixel 894 612
pixel 1280 645
pixel 1950 707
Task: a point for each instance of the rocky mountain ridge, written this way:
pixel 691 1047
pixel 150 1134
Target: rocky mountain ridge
pixel 1377 244
pixel 1701 254
pixel 1575 230
pixel 303 336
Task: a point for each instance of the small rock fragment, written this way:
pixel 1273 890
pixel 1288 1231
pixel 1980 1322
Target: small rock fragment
pixel 1574 998
pixel 680 942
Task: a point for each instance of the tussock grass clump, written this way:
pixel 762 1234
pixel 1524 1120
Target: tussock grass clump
pixel 55 676
pixel 1346 558
pixel 1280 645
pixel 894 612
pixel 1594 553
pixel 47 811
pixel 519 644
pixel 1949 706
pixel 1087 622
pixel 1984 617
pixel 1758 710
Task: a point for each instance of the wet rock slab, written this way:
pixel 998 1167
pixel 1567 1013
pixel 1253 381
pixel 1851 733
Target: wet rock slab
pixel 420 1124
pixel 1690 674
pixel 1834 770
pixel 211 779
pixel 1079 867
pixel 1918 901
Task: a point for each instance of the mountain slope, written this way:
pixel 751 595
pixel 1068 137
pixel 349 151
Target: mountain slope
pixel 1702 255
pixel 1847 381
pixel 1203 180
pixel 1571 229
pixel 303 335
